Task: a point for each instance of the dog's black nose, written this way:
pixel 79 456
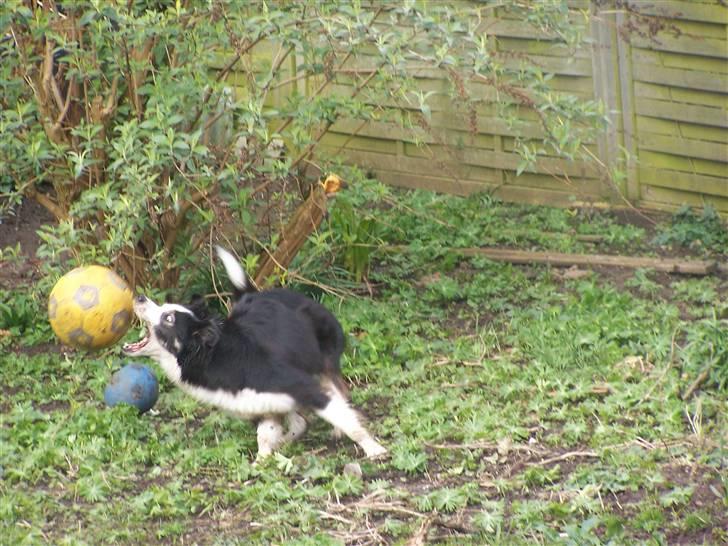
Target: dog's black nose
pixel 140 298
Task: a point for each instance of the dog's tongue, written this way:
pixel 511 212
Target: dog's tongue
pixel 134 347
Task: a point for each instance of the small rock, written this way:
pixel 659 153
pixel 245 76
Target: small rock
pixel 352 469
pixel 574 273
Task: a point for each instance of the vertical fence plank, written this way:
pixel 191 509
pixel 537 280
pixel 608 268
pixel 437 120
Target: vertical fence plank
pixel 626 89
pixel 605 88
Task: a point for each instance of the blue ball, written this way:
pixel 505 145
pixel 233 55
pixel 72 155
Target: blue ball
pixel 133 384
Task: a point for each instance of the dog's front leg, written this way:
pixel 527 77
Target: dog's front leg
pixel 270 436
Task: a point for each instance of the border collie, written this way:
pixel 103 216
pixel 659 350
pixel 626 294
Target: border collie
pixel 276 354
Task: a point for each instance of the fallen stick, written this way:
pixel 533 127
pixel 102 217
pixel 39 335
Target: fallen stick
pixel 702 376
pixel 564 456
pixel 305 220
pixel 668 265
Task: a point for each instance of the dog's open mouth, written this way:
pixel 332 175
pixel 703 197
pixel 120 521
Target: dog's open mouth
pixel 136 346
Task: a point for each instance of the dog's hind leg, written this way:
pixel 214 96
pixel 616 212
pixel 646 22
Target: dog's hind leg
pixel 339 413
pixel 270 436
pixel 296 426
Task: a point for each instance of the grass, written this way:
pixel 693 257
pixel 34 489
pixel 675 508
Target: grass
pixel 520 407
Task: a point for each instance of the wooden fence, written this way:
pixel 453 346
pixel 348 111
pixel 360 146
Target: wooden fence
pixel 665 85
pixel 660 67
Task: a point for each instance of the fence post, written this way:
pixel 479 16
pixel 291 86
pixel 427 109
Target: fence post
pixel 605 75
pixel 626 95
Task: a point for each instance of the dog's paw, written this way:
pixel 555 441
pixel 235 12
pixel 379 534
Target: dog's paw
pixel 374 450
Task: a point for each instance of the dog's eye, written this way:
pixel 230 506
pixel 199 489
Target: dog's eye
pixel 168 318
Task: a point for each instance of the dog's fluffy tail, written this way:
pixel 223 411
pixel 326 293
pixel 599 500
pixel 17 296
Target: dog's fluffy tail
pixel 234 271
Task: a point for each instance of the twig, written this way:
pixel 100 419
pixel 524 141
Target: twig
pixel 454 526
pixel 664 372
pixel 420 537
pixel 702 376
pixel 565 456
pixel 326 515
pixel 487 445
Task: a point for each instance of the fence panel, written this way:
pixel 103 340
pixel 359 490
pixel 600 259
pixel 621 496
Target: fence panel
pixel 678 107
pixel 661 68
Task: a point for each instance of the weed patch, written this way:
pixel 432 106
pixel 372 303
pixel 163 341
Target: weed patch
pixel 519 407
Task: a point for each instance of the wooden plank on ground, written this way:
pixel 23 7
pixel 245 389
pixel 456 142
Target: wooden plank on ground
pixel 563 259
pixel 691 79
pixel 703 115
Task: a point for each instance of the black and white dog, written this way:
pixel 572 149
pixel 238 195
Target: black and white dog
pixel 275 355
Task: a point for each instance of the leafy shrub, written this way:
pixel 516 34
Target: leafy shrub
pixel 19 315
pixel 706 351
pixel 689 229
pixel 150 129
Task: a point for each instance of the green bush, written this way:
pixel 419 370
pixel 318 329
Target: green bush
pixel 151 128
pixel 689 229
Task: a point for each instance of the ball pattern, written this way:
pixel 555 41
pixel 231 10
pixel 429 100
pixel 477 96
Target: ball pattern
pixel 90 307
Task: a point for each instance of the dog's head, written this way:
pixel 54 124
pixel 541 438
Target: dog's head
pixel 172 329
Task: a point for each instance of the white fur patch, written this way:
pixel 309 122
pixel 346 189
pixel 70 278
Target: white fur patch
pixel 152 314
pixel 168 362
pixel 232 268
pixel 270 436
pixel 245 403
pixel 296 426
pixel 342 416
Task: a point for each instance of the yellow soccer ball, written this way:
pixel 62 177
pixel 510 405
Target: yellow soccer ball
pixel 90 307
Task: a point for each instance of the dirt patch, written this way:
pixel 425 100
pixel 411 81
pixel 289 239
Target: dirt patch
pixel 41 348
pixel 21 229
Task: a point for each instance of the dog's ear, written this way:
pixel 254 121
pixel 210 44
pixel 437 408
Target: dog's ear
pixel 207 332
pixel 198 306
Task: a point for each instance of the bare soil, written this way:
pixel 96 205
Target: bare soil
pixel 21 229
